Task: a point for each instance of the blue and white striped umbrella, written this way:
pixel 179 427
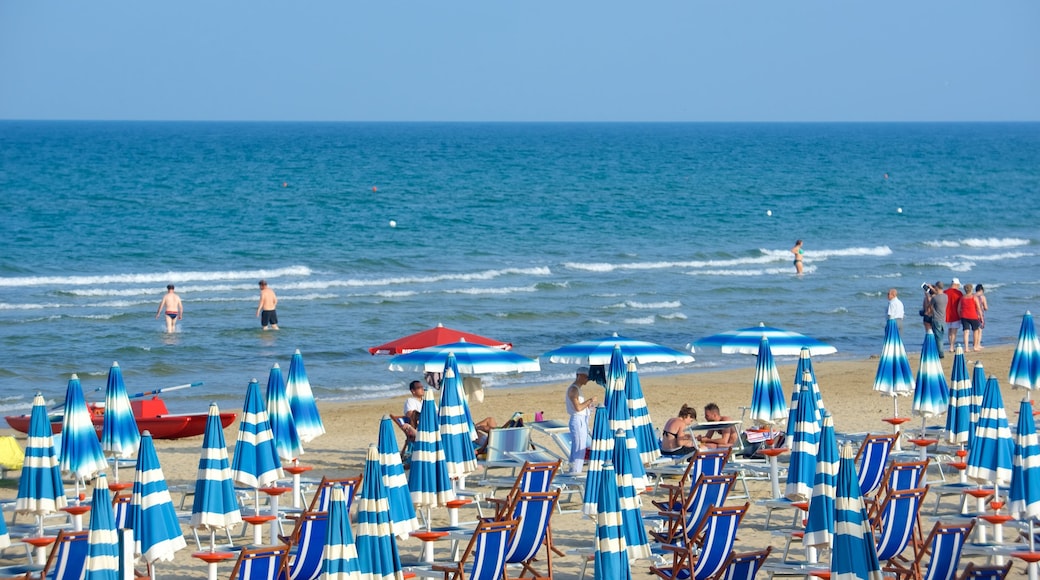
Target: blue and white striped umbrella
pixel 428 477
pixel 102 541
pixel 340 557
pixel 5 537
pixel 853 554
pixel 801 472
pixel 646 439
pixel 783 342
pixel 283 427
pixel 816 411
pixel 597 351
pixel 1025 363
pixel 894 377
pixel 472 359
pixel 119 434
pixel 301 401
pixel 958 414
pixel 630 503
pixel 768 405
pixel 40 490
pixel 1024 495
pixel 157 533
pixel 805 365
pixel 601 450
pixel 611 558
pixel 616 402
pixel 376 545
pixel 978 388
pixel 81 453
pixel 215 506
pixel 402 512
pixel 455 428
pixel 990 456
pixel 255 463
pixel 452 364
pixel 931 393
pixel 819 527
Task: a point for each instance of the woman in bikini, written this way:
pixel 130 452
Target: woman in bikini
pixel 676 439
pixel 797 251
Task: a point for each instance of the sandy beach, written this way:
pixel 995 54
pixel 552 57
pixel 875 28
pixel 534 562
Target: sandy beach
pixel 846 388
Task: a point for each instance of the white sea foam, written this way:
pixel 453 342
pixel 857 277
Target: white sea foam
pixel 674 316
pixel 766 256
pixel 642 320
pixel 997 257
pixel 980 243
pixel 153 277
pixel 480 291
pixel 647 305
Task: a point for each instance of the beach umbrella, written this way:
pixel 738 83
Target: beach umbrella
pixel 819 526
pixel 803 380
pixel 215 506
pixel 958 414
pixel 1025 363
pixel 5 537
pixel 451 363
pixel 399 498
pixel 102 540
pixel 435 336
pixel 990 456
pixel 611 557
pixel 931 394
pixel 157 533
pixel 255 463
pixel 646 440
pixel 629 501
pixel 598 351
pixel 376 544
pixel 1024 494
pixel 768 405
pixel 894 377
pixel 428 477
pixel 119 434
pixel 340 557
pixel 601 450
pixel 301 401
pixel 472 359
pixel 805 366
pixel 616 402
pixel 782 342
pixel 81 453
pixel 40 491
pixel 978 388
pixel 283 428
pixel 853 554
pixel 801 472
pixel 455 428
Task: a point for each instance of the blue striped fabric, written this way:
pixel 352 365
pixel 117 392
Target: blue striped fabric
pixel 646 439
pixel 853 555
pixel 720 533
pixel 978 388
pixel 768 405
pixel 894 376
pixel 301 400
pixel 616 401
pixel 533 511
pixel 308 542
pixel 1025 363
pixel 428 477
pixel 215 506
pixel 491 541
pixel 452 364
pixel 255 463
pixel 102 541
pixel 805 366
pixel 340 557
pixel 958 414
pixel 119 434
pixel 81 453
pixel 287 441
pixel 899 521
pixel 931 393
pixel 801 471
pixel 611 557
pixel 376 544
pixel 40 490
pixel 783 342
pixel 597 351
pixel 157 532
pixel 819 526
pixel 629 501
pixel 402 512
pixel 990 456
pixel 1024 495
pixel 472 359
pixel 456 427
pixel 602 449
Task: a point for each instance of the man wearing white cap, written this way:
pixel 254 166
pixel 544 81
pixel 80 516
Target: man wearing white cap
pixel 953 317
pixel 578 409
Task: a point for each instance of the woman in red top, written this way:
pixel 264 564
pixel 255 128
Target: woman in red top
pixel 969 310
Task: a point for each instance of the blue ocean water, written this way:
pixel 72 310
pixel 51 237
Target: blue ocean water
pixel 539 234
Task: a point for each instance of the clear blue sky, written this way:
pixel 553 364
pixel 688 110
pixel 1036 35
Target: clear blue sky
pixel 534 60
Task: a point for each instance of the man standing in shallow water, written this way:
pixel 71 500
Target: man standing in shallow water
pixel 266 309
pixel 174 308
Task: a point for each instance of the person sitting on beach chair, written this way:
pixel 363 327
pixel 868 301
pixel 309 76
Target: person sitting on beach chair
pixel 676 438
pixel 722 437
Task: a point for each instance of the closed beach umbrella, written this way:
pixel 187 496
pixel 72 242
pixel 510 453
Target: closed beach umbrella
pixel 646 440
pixel 629 501
pixel 768 405
pixel 853 554
pixel 5 537
pixel 894 377
pixel 801 472
pixel 805 366
pixel 931 393
pixel 340 558
pixel 815 411
pixel 990 457
pixel 215 506
pixel 40 491
pixel 402 512
pixel 255 463
pixel 616 401
pixel 601 450
pixel 157 533
pixel 376 545
pixel 435 336
pixel 819 526
pixel 958 414
pixel 451 363
pixel 119 434
pixel 301 400
pixel 472 359
pixel 1024 495
pixel 978 388
pixel 102 541
pixel 611 557
pixel 746 341
pixel 428 477
pixel 81 453
pixel 286 439
pixel 455 428
pixel 1025 363
pixel 597 351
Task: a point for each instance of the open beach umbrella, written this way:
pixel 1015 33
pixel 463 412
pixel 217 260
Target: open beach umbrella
pixel 616 402
pixel 598 351
pixel 102 540
pixel 81 453
pixel 1025 363
pixel 340 557
pixel 215 506
pixel 601 449
pixel 611 557
pixel 801 473
pixel 931 393
pixel 286 439
pixel 40 490
pixel 646 440
pixel 435 336
pixel 119 434
pixel 399 498
pixel 629 501
pixel 958 414
pixel 1024 494
pixel 472 359
pixel 894 377
pixel 255 463
pixel 301 401
pixel 428 477
pixel 853 554
pixel 376 544
pixel 782 342
pixel 157 533
pixel 819 526
pixel 990 456
pixel 455 428
pixel 768 405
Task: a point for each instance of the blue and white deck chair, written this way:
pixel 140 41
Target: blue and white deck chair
pixel 899 523
pixel 943 545
pixel 67 559
pixel 871 460
pixel 306 544
pixel 975 571
pixel 534 476
pixel 121 508
pixel 718 531
pixel 263 563
pixel 710 491
pixel 533 511
pixel 703 462
pixel 743 566
pixel 323 495
pixel 899 475
pixel 485 554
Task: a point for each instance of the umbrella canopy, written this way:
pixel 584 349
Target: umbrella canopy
pixel 629 501
pixel 157 533
pixel 256 462
pixel 5 537
pixel 601 450
pixel 340 557
pixel 598 351
pixel 81 453
pixel 768 405
pixel 616 402
pixel 435 336
pixel 646 440
pixel 978 388
pixel 376 545
pixel 746 341
pixel 301 401
pixel 215 506
pixel 805 366
pixel 931 394
pixel 853 554
pixel 1024 495
pixel 402 512
pixel 472 359
pixel 102 541
pixel 894 376
pixel 428 477
pixel 119 434
pixel 40 491
pixel 286 439
pixel 455 428
pixel 990 455
pixel 611 558
pixel 801 473
pixel 819 527
pixel 1025 363
pixel 958 414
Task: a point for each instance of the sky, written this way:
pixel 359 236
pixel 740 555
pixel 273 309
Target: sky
pixel 521 61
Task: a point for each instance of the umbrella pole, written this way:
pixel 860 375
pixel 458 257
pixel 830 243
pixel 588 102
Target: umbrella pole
pixel 897 446
pixel 115 467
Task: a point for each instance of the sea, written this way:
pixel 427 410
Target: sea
pixel 537 234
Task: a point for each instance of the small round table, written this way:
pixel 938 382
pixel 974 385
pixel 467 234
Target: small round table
pixel 76 511
pixel 257 522
pixel 774 472
pixel 428 538
pixel 274 492
pixel 895 422
pixel 40 543
pixel 212 559
pixel 296 470
pixel 1032 559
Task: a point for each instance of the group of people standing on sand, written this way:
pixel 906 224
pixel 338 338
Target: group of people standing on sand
pixel 946 312
pixel 173 306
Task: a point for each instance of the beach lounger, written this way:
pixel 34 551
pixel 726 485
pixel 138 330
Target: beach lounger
pixel 899 526
pixel 265 562
pixel 943 546
pixel 703 462
pixel 709 491
pixel 484 557
pixel 704 552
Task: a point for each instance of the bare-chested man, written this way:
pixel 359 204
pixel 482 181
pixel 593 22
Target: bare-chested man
pixel 174 308
pixel 266 309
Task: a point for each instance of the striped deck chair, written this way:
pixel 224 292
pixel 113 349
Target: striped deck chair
pixel 485 555
pixel 533 511
pixel 900 525
pixel 533 477
pixel 975 571
pixel 743 566
pixel 67 560
pixel 306 544
pixel 121 508
pixel 871 460
pixel 718 531
pixel 943 545
pixel 681 526
pixel 898 475
pixel 703 462
pixel 322 495
pixel 263 563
